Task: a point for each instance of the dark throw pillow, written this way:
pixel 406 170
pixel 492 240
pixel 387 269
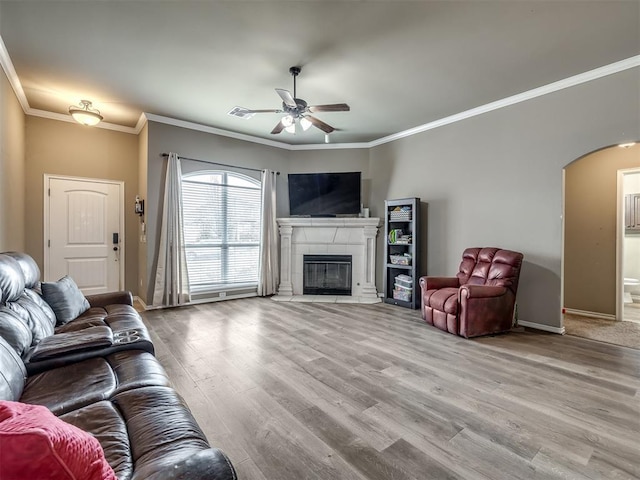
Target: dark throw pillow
pixel 65 299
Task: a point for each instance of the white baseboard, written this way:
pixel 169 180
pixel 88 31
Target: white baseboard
pixel 540 326
pixel 139 300
pixel 199 301
pixel 584 313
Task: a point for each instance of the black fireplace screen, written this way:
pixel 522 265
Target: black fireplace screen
pixel 326 275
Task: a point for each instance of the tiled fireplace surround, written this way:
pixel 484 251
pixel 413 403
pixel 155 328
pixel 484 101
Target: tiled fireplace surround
pixel 328 236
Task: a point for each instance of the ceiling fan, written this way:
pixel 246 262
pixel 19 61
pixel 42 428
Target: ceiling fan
pixel 296 110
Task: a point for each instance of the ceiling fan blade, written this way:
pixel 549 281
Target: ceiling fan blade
pixel 286 97
pixel 320 124
pixel 334 107
pixel 277 129
pixel 273 110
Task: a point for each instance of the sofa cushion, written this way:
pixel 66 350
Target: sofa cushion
pixel 11 279
pixel 89 381
pixel 106 424
pixel 33 316
pixel 65 299
pixel 14 331
pixel 161 428
pixel 444 299
pixel 29 267
pixel 70 387
pixel 12 372
pixel 36 444
pixel 36 297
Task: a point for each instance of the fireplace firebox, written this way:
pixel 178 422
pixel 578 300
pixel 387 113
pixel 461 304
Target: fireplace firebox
pixel 326 275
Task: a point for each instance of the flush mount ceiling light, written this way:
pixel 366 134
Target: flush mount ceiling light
pixel 85 113
pixel 627 145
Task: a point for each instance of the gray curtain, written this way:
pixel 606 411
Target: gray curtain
pixel 171 286
pixel 268 277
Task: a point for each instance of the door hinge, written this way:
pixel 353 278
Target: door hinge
pixel 49 191
pixel 49 243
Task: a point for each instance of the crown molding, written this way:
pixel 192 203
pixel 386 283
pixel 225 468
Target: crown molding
pixel 142 121
pixel 248 138
pixel 152 117
pixel 594 74
pixel 14 81
pixel 68 118
pixel 616 67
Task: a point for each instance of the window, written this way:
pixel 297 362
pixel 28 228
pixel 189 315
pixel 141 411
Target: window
pixel 221 229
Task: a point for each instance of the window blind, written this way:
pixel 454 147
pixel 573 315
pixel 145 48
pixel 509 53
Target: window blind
pixel 221 229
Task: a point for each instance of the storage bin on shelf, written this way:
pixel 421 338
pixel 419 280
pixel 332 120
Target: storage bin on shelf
pixel 400 259
pixel 403 288
pixel 400 215
pixel 402 294
pixel 404 281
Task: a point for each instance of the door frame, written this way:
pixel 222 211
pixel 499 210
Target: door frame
pixel 620 241
pixel 45 219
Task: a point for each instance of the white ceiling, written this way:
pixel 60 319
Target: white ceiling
pixel 398 64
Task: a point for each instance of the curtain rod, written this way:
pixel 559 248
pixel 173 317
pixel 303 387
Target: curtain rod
pixel 216 163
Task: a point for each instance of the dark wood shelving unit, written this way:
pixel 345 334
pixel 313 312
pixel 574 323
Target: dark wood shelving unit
pixel 402 215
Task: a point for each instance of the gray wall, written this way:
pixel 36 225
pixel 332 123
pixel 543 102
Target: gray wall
pixel 162 138
pixel 491 180
pixel 496 179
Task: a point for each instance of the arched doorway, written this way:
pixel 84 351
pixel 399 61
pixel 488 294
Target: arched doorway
pixel 592 247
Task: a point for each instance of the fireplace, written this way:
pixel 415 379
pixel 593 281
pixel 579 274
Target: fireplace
pixel 326 275
pixel 354 238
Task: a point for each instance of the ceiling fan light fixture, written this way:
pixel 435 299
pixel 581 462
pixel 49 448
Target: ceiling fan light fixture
pixel 85 114
pixel 305 123
pixel 287 121
pixel 291 128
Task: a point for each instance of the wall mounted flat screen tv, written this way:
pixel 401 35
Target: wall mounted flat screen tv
pixel 324 194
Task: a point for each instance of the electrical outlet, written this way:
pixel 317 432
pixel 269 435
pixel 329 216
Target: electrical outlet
pixel 222 294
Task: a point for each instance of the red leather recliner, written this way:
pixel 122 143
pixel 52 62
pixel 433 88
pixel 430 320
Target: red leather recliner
pixel 480 299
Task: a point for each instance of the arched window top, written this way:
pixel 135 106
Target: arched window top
pixel 222 177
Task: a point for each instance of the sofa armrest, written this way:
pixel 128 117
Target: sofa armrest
pixel 482 291
pixel 63 344
pixel 104 299
pixel 211 464
pixel 436 283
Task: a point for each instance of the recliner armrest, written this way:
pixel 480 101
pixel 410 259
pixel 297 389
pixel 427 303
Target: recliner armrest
pixel 482 291
pixel 436 283
pixel 104 299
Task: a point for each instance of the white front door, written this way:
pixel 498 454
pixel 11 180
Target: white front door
pixel 84 228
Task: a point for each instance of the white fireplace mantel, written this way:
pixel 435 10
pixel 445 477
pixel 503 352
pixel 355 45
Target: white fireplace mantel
pixel 335 236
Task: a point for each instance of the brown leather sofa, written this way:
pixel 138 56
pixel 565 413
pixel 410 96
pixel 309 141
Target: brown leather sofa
pixel 480 299
pixel 110 325
pixel 116 391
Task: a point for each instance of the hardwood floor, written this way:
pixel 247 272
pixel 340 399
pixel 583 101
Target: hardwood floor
pixel 339 391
